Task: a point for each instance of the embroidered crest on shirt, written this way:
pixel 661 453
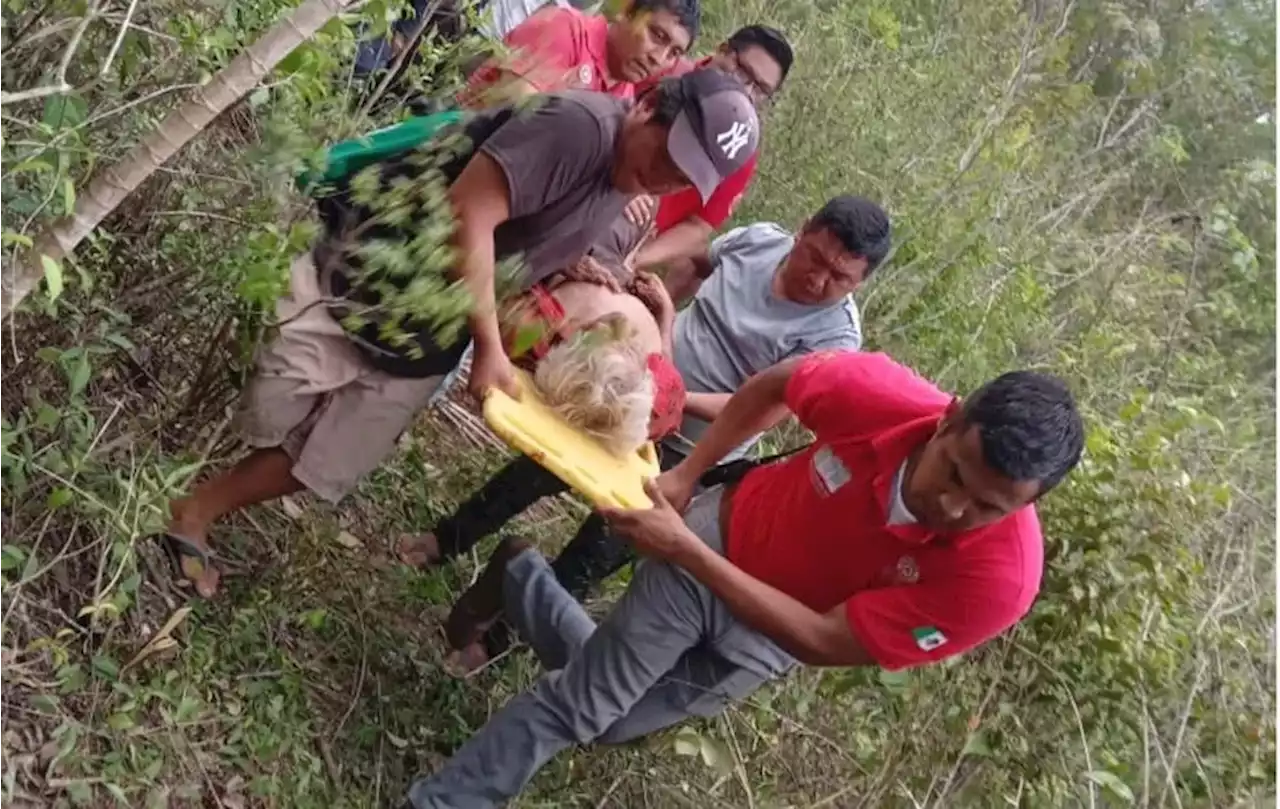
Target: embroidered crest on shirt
pixel 928 638
pixel 734 138
pixel 908 572
pixel 830 470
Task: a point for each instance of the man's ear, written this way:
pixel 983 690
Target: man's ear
pixel 953 415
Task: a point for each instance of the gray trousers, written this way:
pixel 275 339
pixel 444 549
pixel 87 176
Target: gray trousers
pixel 668 650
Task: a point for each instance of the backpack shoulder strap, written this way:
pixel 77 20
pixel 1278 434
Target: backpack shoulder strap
pixel 735 471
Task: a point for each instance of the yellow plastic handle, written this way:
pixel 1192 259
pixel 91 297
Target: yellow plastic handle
pixel 529 426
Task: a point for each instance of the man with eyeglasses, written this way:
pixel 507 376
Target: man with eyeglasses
pixel 760 57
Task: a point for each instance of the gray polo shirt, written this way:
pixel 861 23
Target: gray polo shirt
pixel 736 327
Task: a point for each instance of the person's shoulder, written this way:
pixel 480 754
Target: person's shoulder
pixel 762 235
pixel 875 375
pixel 549 30
pixel 598 106
pixel 553 15
pixel 770 231
pixel 579 116
pixel 842 324
pixel 1006 558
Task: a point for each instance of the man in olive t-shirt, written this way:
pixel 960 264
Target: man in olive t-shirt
pixel 327 406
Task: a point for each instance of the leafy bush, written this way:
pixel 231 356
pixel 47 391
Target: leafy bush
pixel 1083 187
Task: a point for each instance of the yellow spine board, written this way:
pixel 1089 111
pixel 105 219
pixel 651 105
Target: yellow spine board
pixel 605 479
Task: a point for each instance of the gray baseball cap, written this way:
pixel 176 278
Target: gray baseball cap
pixel 716 133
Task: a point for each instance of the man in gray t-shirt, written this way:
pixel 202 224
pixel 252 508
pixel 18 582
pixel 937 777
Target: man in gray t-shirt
pixel 771 296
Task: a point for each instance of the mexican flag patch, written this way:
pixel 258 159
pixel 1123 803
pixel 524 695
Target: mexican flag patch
pixel 928 638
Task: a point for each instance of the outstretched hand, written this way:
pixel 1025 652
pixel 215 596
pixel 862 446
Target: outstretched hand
pixel 653 294
pixel 490 368
pixel 640 209
pixel 658 532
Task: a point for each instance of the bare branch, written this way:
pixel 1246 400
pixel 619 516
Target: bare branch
pixel 74 45
pixel 35 92
pixel 115 46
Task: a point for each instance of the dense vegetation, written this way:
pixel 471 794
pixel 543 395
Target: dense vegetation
pixel 1086 187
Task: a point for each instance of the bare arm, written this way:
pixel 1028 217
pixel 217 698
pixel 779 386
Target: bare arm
pixel 820 639
pixel 813 638
pixel 684 240
pixel 758 405
pixel 480 203
pixel 665 329
pixel 706 406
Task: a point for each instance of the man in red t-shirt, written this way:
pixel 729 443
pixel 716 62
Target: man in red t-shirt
pixel 760 57
pixel 905 534
pixel 562 48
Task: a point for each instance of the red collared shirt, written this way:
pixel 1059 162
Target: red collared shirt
pixel 815 526
pixel 557 48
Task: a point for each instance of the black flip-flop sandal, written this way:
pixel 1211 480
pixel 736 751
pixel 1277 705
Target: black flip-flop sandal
pixel 177 549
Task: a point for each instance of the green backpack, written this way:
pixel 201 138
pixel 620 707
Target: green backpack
pixel 346 158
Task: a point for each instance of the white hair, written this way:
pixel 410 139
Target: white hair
pixel 601 385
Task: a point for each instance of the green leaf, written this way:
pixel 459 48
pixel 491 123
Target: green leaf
pixel 68 195
pixel 81 793
pixel 79 375
pixel 1111 783
pixel 716 755
pixel 70 679
pixel 188 708
pixel 120 341
pixel 65 111
pixel 293 62
pixel 12 556
pixel 259 97
pixel 315 619
pixel 118 794
pixel 121 721
pixel 32 164
pixel 976 745
pixel 9 237
pixel 688 743
pixel 105 667
pixel 52 276
pixel 58 498
pixel 32 566
pixel 894 681
pixel 45 702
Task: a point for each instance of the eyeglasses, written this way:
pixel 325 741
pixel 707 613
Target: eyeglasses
pixel 760 92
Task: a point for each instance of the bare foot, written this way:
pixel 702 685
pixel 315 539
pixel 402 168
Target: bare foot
pixel 202 573
pixel 207 583
pixel 462 662
pixel 418 550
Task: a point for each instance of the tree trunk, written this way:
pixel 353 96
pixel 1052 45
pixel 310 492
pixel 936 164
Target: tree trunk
pixel 112 185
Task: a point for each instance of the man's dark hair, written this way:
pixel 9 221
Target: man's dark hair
pixel 861 226
pixel 668 98
pixel 771 40
pixel 688 12
pixel 1029 427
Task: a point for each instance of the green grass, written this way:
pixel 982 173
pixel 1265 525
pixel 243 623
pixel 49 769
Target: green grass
pixel 315 677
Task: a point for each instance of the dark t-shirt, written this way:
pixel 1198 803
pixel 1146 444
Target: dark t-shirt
pixel 558 161
pixel 557 157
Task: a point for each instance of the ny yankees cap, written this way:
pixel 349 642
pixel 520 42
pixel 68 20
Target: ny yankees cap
pixel 716 133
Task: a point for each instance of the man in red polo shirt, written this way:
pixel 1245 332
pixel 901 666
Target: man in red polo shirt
pixel 562 48
pixel 905 534
pixel 760 57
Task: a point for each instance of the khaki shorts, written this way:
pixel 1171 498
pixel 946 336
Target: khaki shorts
pixel 314 395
